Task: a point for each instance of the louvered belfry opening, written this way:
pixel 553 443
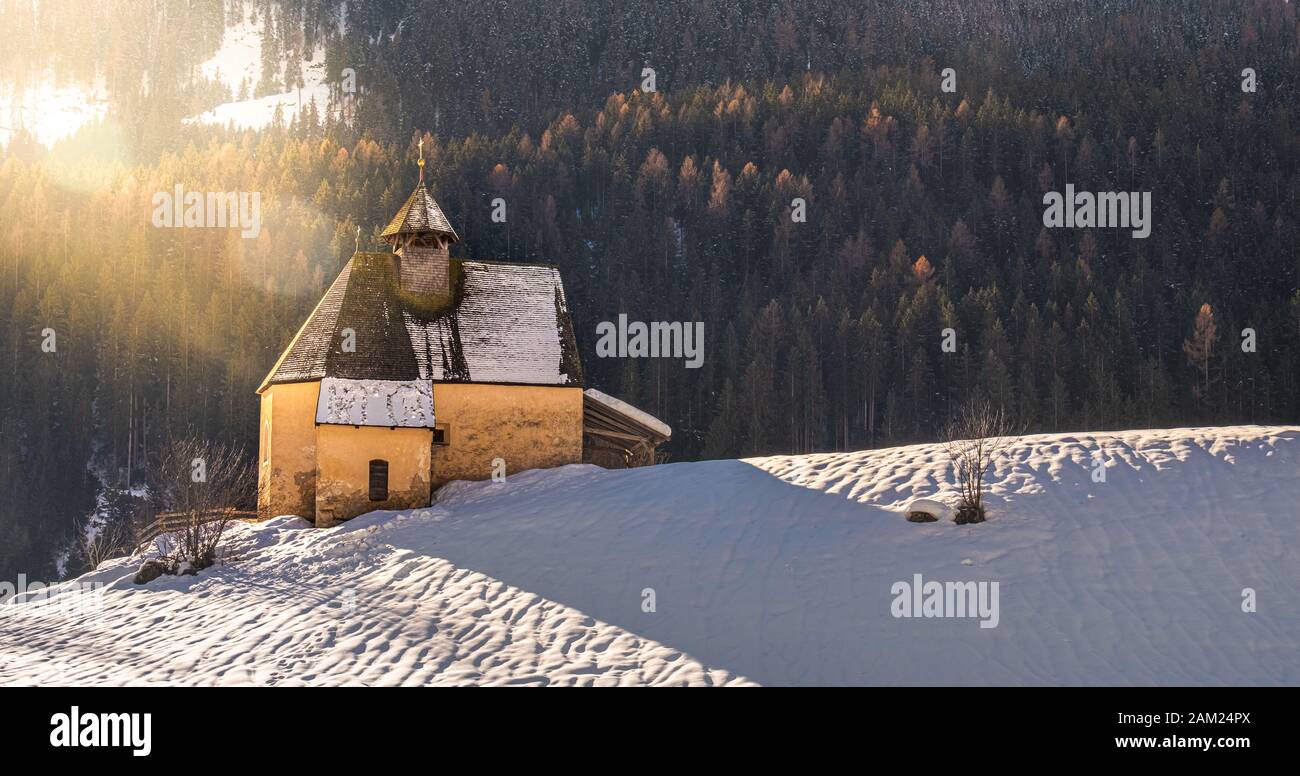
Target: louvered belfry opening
pixel 378 480
pixel 424 264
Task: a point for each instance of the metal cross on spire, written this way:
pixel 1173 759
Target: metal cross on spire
pixel 421 162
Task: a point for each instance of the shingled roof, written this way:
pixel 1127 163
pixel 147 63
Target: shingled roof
pixel 508 323
pixel 420 214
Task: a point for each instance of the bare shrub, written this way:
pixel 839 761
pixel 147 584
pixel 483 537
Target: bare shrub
pixel 112 540
pixel 108 532
pixel 198 486
pixel 974 439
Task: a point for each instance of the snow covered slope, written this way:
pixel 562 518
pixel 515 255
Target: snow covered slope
pixel 238 64
pixel 774 570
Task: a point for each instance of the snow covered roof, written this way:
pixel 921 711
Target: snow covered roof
pixel 390 403
pixel 629 412
pixel 508 323
pixel 420 214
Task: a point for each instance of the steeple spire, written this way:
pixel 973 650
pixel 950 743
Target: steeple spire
pixel 421 236
pixel 420 215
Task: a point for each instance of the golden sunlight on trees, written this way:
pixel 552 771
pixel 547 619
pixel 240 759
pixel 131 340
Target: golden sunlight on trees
pixel 1200 346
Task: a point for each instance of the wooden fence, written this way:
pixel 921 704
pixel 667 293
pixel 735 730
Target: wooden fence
pixel 166 522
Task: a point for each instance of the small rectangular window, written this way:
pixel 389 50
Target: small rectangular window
pixel 441 435
pixel 378 480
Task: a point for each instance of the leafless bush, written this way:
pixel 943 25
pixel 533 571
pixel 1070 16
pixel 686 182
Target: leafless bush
pixel 106 533
pixel 974 439
pixel 199 486
pixel 112 540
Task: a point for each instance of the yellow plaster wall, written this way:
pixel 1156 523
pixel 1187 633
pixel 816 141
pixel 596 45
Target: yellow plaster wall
pixel 287 481
pixel 343 455
pixel 529 427
pixel 328 467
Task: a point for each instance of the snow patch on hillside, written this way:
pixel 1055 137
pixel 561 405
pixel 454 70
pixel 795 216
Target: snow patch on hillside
pixel 49 109
pixel 238 64
pixel 771 570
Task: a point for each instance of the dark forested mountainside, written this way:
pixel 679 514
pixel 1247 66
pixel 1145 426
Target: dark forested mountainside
pixel 924 212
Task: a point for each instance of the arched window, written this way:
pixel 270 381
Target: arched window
pixel 266 430
pixel 378 480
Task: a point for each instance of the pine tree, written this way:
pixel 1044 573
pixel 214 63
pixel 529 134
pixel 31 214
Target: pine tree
pixel 1200 347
